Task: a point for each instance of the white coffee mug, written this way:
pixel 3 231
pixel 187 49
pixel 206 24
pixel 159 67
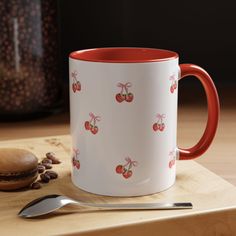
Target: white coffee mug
pixel 123 106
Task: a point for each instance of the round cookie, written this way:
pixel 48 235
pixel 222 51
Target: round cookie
pixel 18 168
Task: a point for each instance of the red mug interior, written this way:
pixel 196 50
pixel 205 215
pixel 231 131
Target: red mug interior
pixel 124 55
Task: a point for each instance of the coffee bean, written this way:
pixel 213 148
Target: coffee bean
pixel 41 168
pixel 52 174
pixel 47 165
pixel 51 156
pixel 56 161
pixel 45 178
pixel 35 185
pixel 46 161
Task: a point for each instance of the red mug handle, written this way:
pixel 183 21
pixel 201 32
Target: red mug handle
pixel 213 111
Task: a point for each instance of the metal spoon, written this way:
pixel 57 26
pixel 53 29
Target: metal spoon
pixel 50 203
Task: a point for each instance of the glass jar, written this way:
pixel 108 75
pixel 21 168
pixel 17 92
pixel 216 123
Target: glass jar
pixel 29 58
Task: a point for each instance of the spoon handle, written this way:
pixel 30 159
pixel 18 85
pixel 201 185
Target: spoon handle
pixel 140 206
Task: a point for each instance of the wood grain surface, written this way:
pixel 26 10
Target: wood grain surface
pixel 213 198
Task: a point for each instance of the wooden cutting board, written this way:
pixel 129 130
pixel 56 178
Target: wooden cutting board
pixel 214 201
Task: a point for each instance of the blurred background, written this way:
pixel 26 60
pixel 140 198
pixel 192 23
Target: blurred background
pixel 37 37
pixel 202 32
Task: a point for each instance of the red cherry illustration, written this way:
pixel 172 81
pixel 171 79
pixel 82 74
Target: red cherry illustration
pixel 91 125
pixel 162 126
pixel 74 87
pixel 119 97
pixel 175 85
pixel 127 174
pixel 119 169
pixel 155 127
pixel 129 97
pixel 77 164
pixel 171 163
pixel 172 89
pixel 74 161
pixel 125 169
pixel 87 125
pixel 94 129
pixel 78 86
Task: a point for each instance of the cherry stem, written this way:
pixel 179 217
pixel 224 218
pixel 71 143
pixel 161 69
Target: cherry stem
pixel 128 160
pixel 122 90
pixel 126 164
pixel 126 86
pixel 160 118
pixel 126 91
pixel 172 78
pixel 122 87
pixel 76 152
pixel 130 166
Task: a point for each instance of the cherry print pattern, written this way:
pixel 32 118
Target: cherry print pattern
pixel 125 169
pixel 173 86
pixel 76 85
pixel 172 158
pixel 91 124
pixel 159 125
pixel 75 160
pixel 124 94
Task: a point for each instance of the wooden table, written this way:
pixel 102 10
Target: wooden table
pixel 214 198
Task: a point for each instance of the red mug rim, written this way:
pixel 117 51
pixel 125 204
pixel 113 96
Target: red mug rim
pixel 124 55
